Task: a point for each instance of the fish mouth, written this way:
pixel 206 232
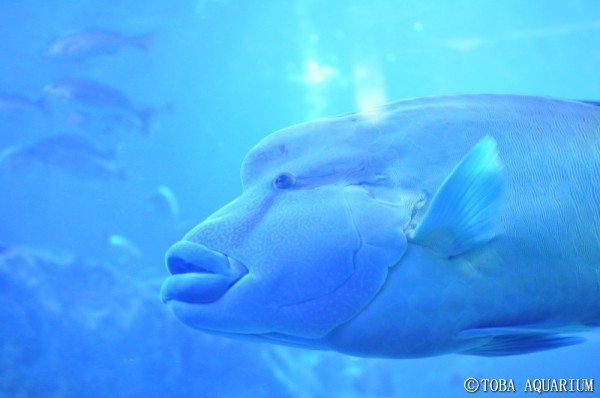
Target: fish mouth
pixel 199 275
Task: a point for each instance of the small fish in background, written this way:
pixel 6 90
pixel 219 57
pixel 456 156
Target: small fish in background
pixel 164 202
pixel 22 119
pixel 74 143
pixel 79 157
pixel 123 250
pixel 69 153
pixel 90 98
pixel 14 158
pixel 11 104
pixel 92 42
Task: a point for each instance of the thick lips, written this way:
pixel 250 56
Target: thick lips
pixel 199 275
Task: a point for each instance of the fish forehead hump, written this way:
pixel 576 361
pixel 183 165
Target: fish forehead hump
pixel 322 142
pixel 413 132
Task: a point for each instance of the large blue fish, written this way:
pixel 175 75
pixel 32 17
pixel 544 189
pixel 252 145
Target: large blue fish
pixel 465 224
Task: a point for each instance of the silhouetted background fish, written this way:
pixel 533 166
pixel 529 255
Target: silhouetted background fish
pixel 16 103
pixel 90 99
pixel 123 125
pixel 92 42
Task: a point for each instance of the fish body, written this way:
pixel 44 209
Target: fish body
pixel 11 103
pixel 123 250
pixel 91 42
pixel 88 167
pixel 89 93
pixel 69 153
pixel 163 201
pixel 77 156
pixel 460 224
pixel 91 97
pixel 72 143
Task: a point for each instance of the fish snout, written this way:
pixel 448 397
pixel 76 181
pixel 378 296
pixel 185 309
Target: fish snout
pixel 199 275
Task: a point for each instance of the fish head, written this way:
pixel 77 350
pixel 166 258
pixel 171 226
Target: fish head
pixel 76 44
pixel 58 90
pixel 306 246
pixel 57 49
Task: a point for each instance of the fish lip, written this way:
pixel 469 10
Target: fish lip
pixel 190 257
pixel 199 275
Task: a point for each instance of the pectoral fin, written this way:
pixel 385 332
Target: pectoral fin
pixel 465 211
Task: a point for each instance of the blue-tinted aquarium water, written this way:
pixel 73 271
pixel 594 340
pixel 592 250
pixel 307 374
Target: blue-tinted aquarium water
pixel 124 125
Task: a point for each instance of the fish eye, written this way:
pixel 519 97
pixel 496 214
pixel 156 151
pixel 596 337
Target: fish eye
pixel 284 180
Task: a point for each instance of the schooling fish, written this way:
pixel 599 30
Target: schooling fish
pixel 91 97
pixel 464 224
pixel 163 201
pixel 92 42
pixel 68 153
pixel 66 142
pixel 11 103
pixel 123 250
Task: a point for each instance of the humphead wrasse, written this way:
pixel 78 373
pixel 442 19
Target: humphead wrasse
pixel 465 224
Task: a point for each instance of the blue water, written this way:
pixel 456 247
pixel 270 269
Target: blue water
pixel 80 314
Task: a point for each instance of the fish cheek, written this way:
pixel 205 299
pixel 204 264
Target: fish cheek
pixel 309 244
pixel 344 265
pixel 304 244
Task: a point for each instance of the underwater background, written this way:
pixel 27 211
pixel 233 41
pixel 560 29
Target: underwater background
pixel 123 124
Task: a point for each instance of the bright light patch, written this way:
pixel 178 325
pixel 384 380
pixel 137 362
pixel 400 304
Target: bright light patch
pixel 316 73
pixel 370 101
pixel 369 90
pixel 466 44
